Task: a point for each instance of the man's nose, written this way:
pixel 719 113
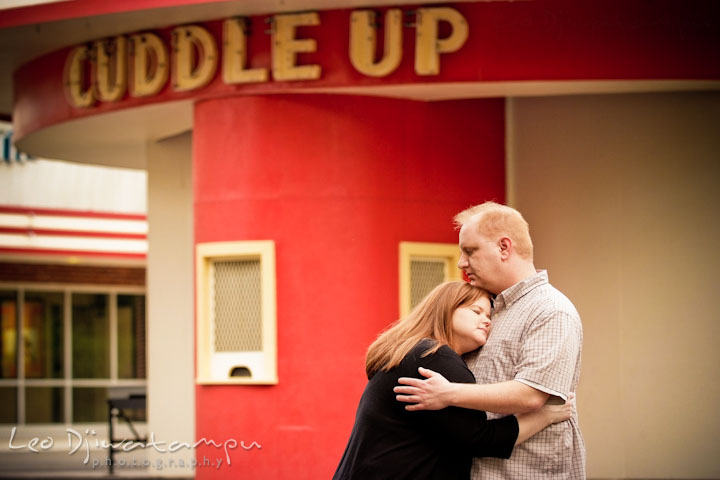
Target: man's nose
pixel 462 263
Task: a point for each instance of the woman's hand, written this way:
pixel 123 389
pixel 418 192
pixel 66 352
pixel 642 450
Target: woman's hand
pixel 531 423
pixel 559 413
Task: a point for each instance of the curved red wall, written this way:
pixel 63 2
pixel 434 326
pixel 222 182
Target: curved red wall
pixel 337 182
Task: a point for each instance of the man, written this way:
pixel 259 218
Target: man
pixel 531 357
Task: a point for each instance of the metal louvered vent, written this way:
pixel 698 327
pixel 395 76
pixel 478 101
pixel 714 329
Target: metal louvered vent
pixel 425 274
pixel 236 305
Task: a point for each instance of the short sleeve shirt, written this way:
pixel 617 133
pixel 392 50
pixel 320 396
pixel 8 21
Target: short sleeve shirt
pixel 536 339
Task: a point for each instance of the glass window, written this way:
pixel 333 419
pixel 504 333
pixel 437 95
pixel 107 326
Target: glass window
pixel 8 334
pixel 44 405
pixel 90 336
pixel 68 337
pixel 131 336
pixel 43 334
pixel 8 400
pixel 90 405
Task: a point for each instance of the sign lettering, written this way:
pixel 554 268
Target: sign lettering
pixel 140 64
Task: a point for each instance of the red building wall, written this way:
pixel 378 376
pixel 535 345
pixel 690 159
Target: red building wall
pixel 337 182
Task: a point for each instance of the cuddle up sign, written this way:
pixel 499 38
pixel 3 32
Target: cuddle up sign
pixel 141 64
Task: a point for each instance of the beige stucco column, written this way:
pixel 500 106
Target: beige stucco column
pixel 171 393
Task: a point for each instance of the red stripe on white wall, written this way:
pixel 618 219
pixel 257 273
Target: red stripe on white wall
pixel 70 213
pixel 52 231
pixel 71 233
pixel 78 253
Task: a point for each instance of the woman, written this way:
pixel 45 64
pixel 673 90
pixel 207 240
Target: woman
pixel 390 442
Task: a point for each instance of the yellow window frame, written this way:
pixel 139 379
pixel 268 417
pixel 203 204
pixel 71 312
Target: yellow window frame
pixel 208 370
pixel 449 253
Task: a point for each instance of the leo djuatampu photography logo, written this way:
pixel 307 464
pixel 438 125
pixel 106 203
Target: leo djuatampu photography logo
pixel 77 441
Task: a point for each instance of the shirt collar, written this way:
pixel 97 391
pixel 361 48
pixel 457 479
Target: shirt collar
pixel 512 294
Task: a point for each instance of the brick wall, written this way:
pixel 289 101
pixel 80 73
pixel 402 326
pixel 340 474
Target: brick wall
pixel 78 274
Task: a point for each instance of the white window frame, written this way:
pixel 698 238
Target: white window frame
pixel 59 430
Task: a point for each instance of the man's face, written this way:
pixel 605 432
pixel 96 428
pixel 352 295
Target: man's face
pixel 479 258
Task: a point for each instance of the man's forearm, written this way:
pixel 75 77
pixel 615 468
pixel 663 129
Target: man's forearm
pixel 506 397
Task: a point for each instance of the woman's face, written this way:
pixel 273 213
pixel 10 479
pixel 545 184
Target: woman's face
pixel 471 325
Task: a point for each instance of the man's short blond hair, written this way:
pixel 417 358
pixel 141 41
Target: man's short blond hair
pixel 494 219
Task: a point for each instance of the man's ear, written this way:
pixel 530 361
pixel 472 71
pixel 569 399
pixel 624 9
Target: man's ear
pixel 506 247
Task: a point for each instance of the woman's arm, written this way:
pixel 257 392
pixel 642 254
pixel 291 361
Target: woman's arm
pixel 460 429
pixel 531 423
pixel 470 430
pixel 487 437
pixel 436 392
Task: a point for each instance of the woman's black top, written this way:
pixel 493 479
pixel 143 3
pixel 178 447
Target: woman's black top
pixel 389 442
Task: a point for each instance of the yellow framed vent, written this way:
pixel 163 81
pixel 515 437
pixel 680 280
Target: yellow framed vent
pixel 423 266
pixel 236 313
